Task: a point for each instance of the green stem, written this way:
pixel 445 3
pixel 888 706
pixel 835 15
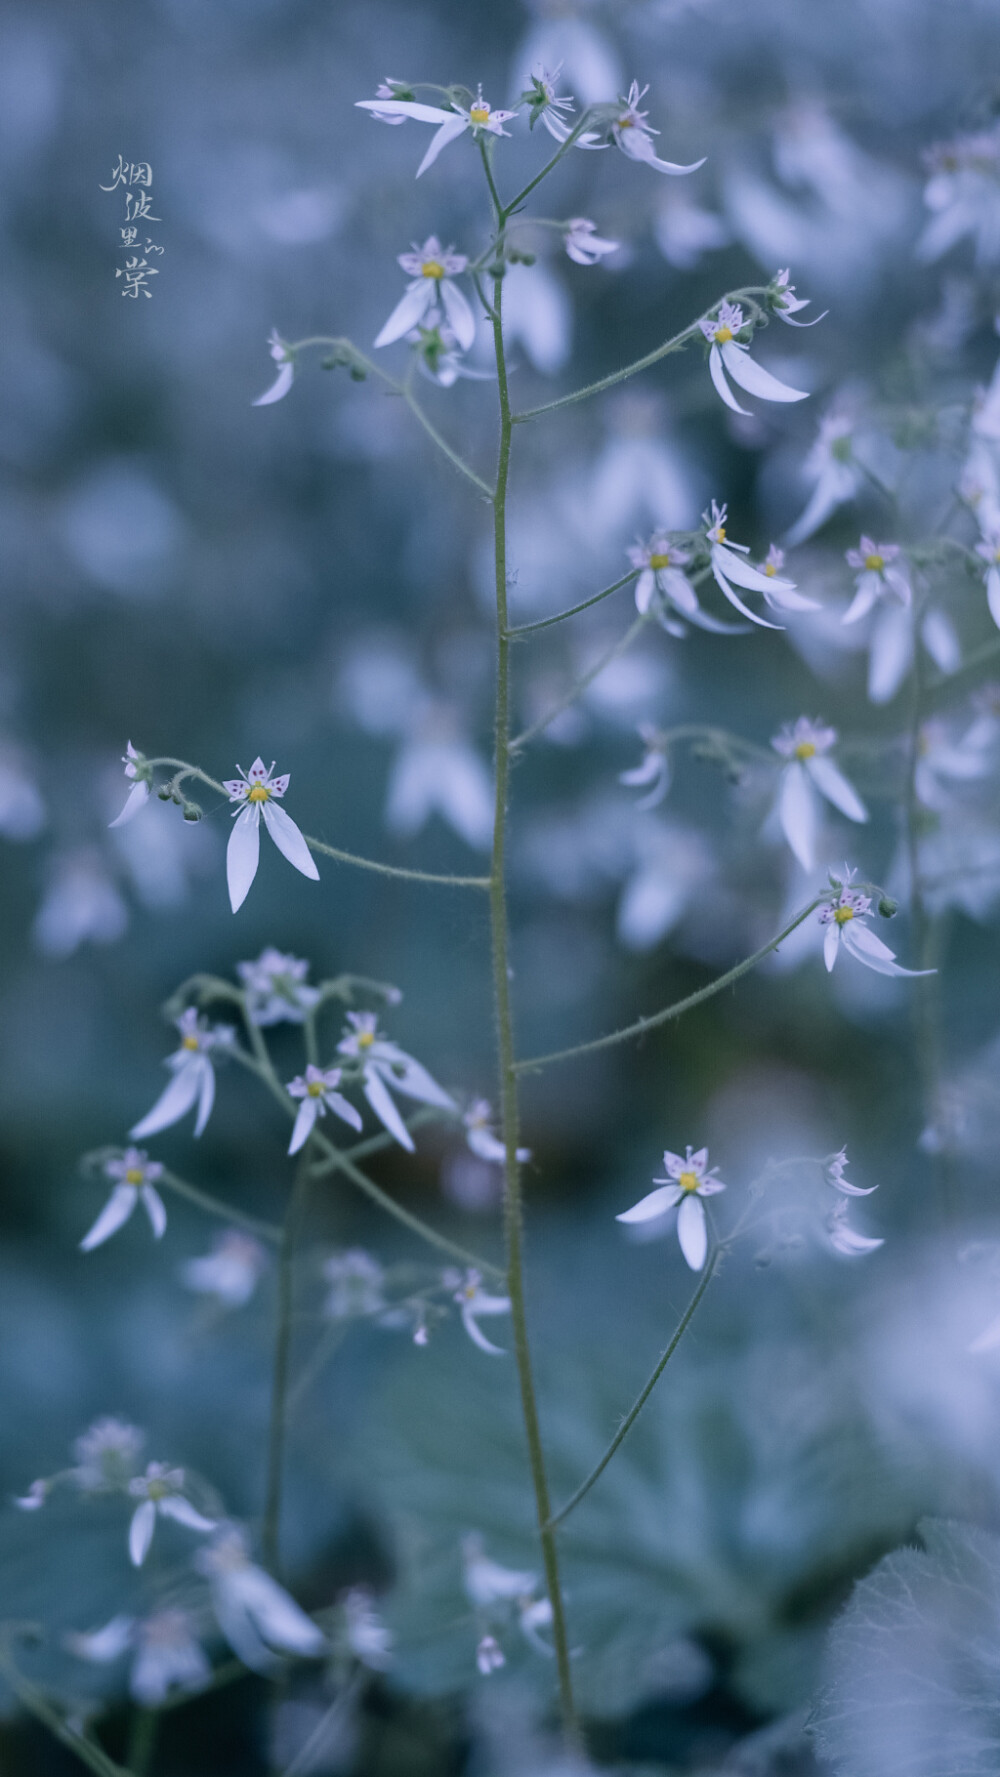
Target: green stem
pixel 535 1063
pixel 143 1729
pixel 271 1534
pixel 580 685
pixel 38 1705
pixel 644 1394
pixel 527 629
pixel 513 1214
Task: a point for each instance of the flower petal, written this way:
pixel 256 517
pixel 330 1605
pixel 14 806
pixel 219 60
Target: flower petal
pixel 891 653
pixel 113 1216
pixel 722 388
pixel 279 388
pixel 871 951
pixel 734 598
pixel 385 1110
pixel 308 1112
pixel 289 840
pixel 692 1232
pixel 173 1103
pixel 450 129
pixel 152 1203
pixel 863 600
pixel 476 1333
pixel 183 1512
pixel 835 787
pixel 343 1108
pixel 735 568
pixel 140 1532
pixel 754 378
pixel 831 945
pixel 206 1092
pixel 798 814
pixel 243 854
pixel 407 1076
pixel 136 799
pixel 408 312
pixel 656 1204
pixel 460 315
pixel 407 108
pixel 277 1616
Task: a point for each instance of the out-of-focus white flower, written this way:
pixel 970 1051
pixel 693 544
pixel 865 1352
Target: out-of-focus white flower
pixel 367 1636
pixel 661 577
pixel 317 1090
pixel 390 89
pixel 538 314
pixel 583 244
pixel 256 791
pixel 946 759
pixel 847 1240
pixel 230 1272
pixel 431 295
pixel 844 917
pixel 963 192
pixel 81 904
pixel 834 1170
pixel 831 465
pixel 486 1582
pixel 880 583
pixel 439 359
pixel 684 231
pixel 437 771
pixel 786 304
pixel 255 1614
pixel 727 354
pixel 475 1302
pixel 136 769
pixel 384 1065
pixel 160 1492
pixel 655 769
pixel 634 136
pixel 193 1075
pixel 727 567
pixel 284 357
pixel 480 118
pixel 809 775
pixel 480 1137
pixel 167 1653
pixel 989 549
pixel 688 1180
pixel 357 1285
pixel 135 1177
pixel 107 1455
pixel 490 1655
pixel 673 865
pixel 276 988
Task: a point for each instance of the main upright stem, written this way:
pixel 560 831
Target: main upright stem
pixel 513 1220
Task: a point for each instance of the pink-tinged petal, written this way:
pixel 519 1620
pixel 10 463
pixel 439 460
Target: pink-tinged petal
pixel 174 1102
pixel 278 785
pixel 692 1232
pixel 993 594
pixel 722 388
pixel 797 813
pixel 450 129
pixel 206 1093
pixel 152 1203
pixel 656 1204
pixel 835 787
pixel 386 1112
pixel 988 1340
pixel 258 771
pixel 408 312
pixel 460 316
pixel 183 1512
pixel 243 854
pixel 644 590
pixel 734 598
pixel 113 1216
pixel 289 840
pixel 754 378
pixel 710 1187
pixel 140 1532
pixel 891 653
pixel 308 1112
pixel 699 1160
pixel 476 1333
pixel 405 108
pixel 343 1108
pixel 136 799
pixel 407 1076
pixel 279 388
pixel 831 944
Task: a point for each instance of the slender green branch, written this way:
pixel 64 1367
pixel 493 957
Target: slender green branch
pixel 214 1206
pixel 527 629
pixel 326 1346
pixel 535 1063
pixel 378 1144
pixel 38 1705
pixel 580 685
pixel 271 1533
pixel 143 1730
pixel 445 448
pixel 582 124
pixel 643 1396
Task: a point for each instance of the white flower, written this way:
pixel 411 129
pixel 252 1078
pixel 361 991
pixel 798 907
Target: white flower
pixel 486 1582
pixel 439 359
pixel 276 990
pixel 989 549
pixel 660 563
pixel 634 136
pixel 490 1655
pixel 389 89
pixel 33 1501
pixel 727 354
pixel 160 1492
pixel 964 194
pixel 844 916
pixel 474 1301
pixel 686 1183
pixel 384 1065
pixel 136 769
pixel 847 1240
pixel 684 231
pixel 833 1171
pixel 193 1076
pixel 831 465
pixel 167 1653
pixel 809 775
pixel 479 118
pixel 785 598
pixel 357 1285
pixel 880 584
pixel 230 1272
pixel 82 902
pixel 480 1136
pixel 668 875
pixel 537 313
pixel 284 357
pixel 582 243
pixel 257 790
pixel 254 1613
pixel 786 304
pixel 367 1636
pixel 135 1179
pixel 317 1090
pixel 431 296
pixel 438 771
pixel 655 769
pixel 107 1455
pixel 728 567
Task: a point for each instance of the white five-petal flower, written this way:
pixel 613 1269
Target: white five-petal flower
pixel 259 792
pixel 480 1137
pixel 688 1180
pixel 729 567
pixel 844 917
pixel 786 304
pixel 136 769
pixel 727 354
pixel 634 136
pixel 160 1492
pixel 276 988
pixel 431 297
pixel 655 769
pixel 583 244
pixel 884 587
pixel 383 1065
pixel 193 1076
pixel 480 118
pixel 809 775
pixel 254 1613
pixel 317 1090
pixel 230 1272
pixel 474 1302
pixel 663 586
pixel 167 1653
pixel 284 357
pixel 134 1177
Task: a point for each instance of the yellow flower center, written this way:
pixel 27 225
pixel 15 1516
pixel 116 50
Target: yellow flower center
pixel 479 114
pixel 625 123
pixel 806 749
pixel 843 914
pixel 689 1181
pixel 770 569
pixel 190 1043
pixel 315 1089
pixel 259 794
pixel 157 1490
pixel 720 533
pixel 366 1039
pixel 659 561
pixel 432 268
pixel 134 1175
pixel 723 335
pixel 875 563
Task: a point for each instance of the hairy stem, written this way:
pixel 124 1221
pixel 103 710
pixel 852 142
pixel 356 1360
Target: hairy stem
pixel 527 629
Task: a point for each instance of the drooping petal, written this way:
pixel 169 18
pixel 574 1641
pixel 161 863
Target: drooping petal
pixel 173 1103
pixel 644 589
pixel 238 1628
pixel 405 108
pixel 871 951
pixel 460 316
pixel 343 1108
pixel 243 854
pixel 183 1512
pixel 692 1232
pixel 206 1092
pixel 407 1076
pixel 831 945
pixel 798 813
pixel 104 1644
pixel 279 388
pixel 476 1333
pixel 408 312
pixel 289 840
pixel 136 799
pixel 308 1112
pixel 722 388
pixel 785 598
pixel 386 1112
pixel 277 1616
pixel 891 653
pixel 754 378
pixel 835 787
pixel 656 1204
pixel 937 632
pixel 113 1216
pixel 152 1203
pixel 450 129
pixel 864 598
pixel 140 1532
pixel 734 598
pixel 735 568
pixel 849 1242
pixel 638 146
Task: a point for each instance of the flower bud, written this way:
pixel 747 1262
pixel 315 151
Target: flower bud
pixel 887 906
